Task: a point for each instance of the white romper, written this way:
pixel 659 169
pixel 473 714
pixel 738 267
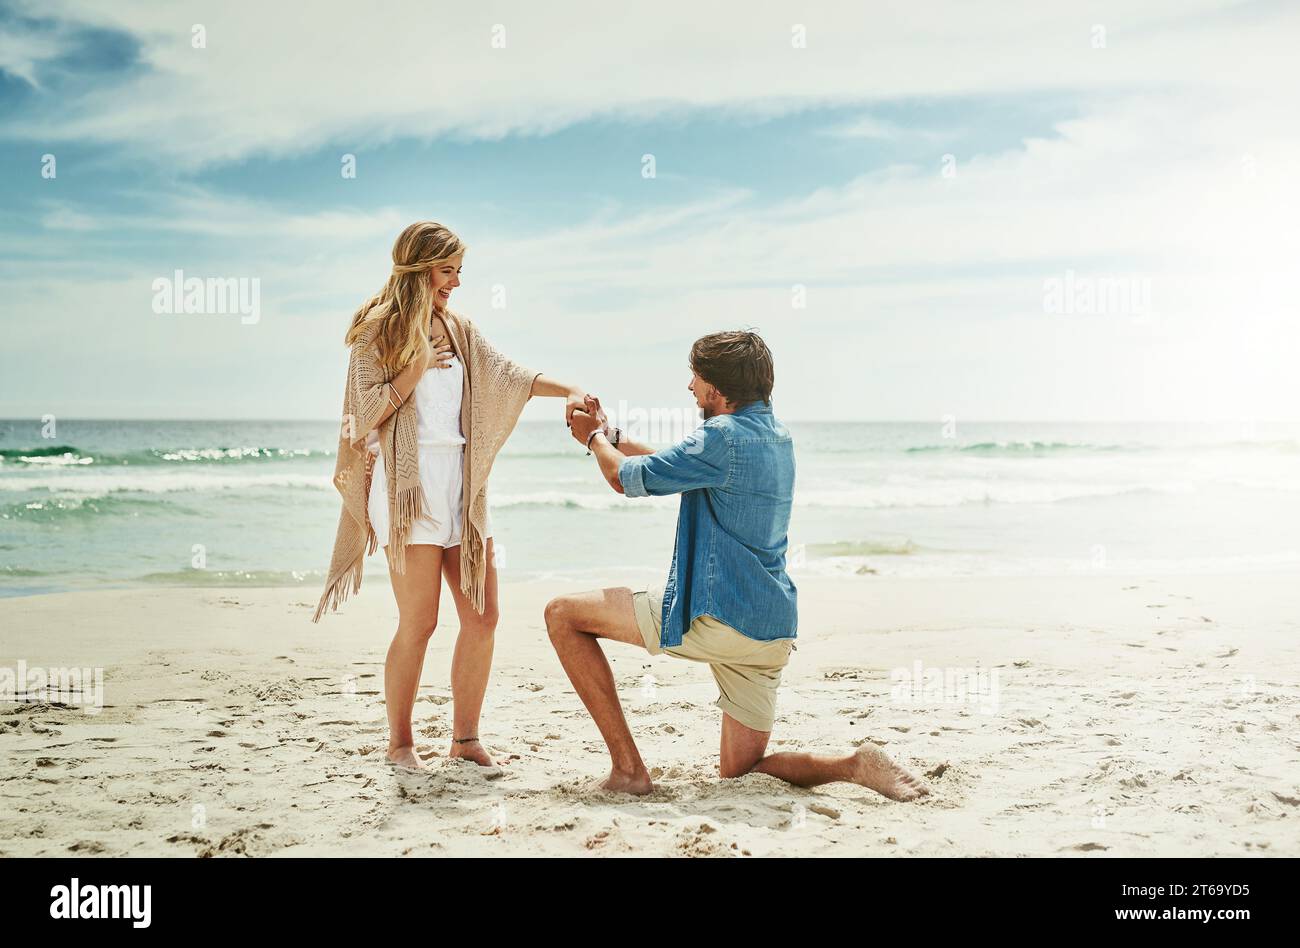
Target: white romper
pixel 441 460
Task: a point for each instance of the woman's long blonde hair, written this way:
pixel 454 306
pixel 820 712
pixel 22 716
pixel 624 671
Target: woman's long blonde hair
pixel 403 307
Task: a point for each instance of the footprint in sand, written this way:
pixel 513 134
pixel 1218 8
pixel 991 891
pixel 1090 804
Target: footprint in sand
pixel 86 846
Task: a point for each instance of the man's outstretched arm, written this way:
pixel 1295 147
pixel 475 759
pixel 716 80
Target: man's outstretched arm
pixel 608 456
pixel 611 458
pixel 701 460
pixel 625 445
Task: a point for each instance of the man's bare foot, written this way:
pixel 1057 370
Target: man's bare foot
pixel 405 757
pixel 637 783
pixel 873 769
pixel 472 750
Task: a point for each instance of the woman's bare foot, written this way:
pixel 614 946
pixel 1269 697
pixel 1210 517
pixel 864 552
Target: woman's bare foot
pixel 472 750
pixel 405 757
pixel 637 783
pixel 873 769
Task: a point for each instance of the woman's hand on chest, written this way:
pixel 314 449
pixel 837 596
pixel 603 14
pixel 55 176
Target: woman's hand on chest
pixel 441 352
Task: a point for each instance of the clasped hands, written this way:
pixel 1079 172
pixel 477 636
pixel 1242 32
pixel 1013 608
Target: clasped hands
pixel 586 417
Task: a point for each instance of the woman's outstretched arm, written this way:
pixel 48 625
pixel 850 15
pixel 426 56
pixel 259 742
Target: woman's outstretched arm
pixel 546 386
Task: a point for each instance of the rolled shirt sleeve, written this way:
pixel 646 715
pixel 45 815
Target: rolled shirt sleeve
pixel 701 460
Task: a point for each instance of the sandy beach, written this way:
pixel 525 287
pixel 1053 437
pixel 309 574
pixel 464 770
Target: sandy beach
pixel 1130 717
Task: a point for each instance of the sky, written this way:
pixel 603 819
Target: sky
pixel 1026 211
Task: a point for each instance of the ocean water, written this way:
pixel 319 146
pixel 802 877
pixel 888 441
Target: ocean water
pixel 148 503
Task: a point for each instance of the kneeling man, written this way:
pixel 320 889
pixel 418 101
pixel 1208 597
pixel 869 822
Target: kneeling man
pixel 727 601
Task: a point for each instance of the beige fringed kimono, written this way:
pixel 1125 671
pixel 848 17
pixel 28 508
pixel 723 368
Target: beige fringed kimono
pixel 494 394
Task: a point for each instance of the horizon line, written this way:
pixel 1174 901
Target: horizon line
pixel 797 419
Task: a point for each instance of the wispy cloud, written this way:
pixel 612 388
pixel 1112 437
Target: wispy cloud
pixel 376 73
pixel 868 126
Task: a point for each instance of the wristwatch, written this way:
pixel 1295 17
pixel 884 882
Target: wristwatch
pixel 613 434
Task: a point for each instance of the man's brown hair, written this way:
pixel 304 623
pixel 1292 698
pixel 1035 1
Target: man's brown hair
pixel 737 363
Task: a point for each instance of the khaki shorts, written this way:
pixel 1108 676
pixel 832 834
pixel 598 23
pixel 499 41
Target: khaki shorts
pixel 748 671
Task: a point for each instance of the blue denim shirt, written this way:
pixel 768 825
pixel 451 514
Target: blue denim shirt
pixel 736 477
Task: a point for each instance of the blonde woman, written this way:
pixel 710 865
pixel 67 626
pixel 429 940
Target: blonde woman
pixel 428 404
